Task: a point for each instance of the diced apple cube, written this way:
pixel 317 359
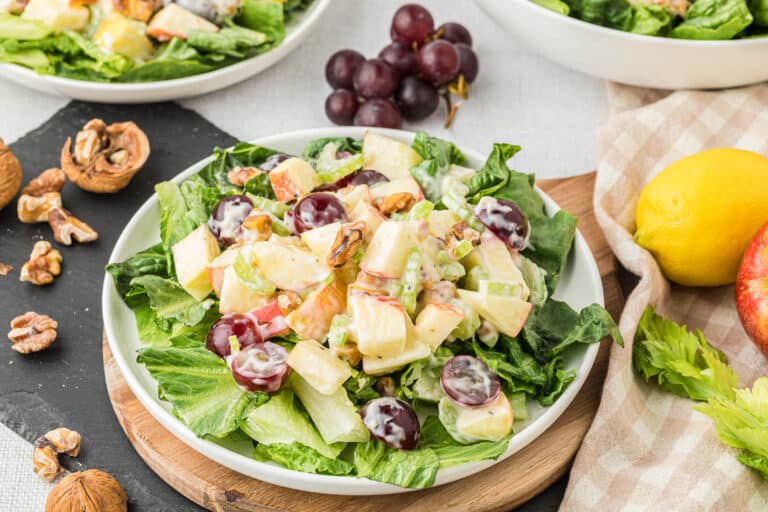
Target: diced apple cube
pixel 318 366
pixel 313 317
pixel 490 422
pixel 435 323
pixel 191 257
pixel 389 247
pixel 293 178
pixel 507 314
pixel 219 264
pixel 12 6
pixel 390 157
pixel 320 240
pixel 351 196
pixel 379 325
pixel 413 351
pixel 57 14
pixel 236 297
pixel 116 33
pixel 175 21
pixel 441 223
pixel 406 184
pixel 289 268
pixel 369 214
pixel 493 256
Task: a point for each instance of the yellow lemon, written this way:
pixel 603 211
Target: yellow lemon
pixel 700 213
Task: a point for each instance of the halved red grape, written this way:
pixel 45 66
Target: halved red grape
pixel 455 33
pixel 411 23
pixel 416 98
pixel 368 177
pixel 341 68
pixel 341 106
pixel 227 217
pixel 273 161
pixel 316 210
pixel 260 367
pixel 378 112
pixel 376 78
pixel 505 219
pixel 469 65
pixel 240 326
pixel 468 381
pixel 402 58
pixel 393 421
pixel 439 62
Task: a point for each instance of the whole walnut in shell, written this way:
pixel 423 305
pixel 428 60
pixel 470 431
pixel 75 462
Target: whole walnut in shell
pixel 105 157
pixel 10 175
pixel 87 491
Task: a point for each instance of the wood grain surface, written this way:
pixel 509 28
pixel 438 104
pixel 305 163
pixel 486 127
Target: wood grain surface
pixel 500 488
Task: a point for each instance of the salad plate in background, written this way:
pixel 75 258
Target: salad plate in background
pixel 119 59
pixel 308 414
pixel 637 59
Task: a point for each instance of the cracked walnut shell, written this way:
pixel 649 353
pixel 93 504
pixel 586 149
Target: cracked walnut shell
pixel 10 175
pixel 44 264
pixel 66 226
pixel 32 332
pixel 87 491
pixel 105 158
pixel 45 458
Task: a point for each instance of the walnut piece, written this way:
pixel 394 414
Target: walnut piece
pixel 50 180
pixel 106 157
pixel 439 292
pixel 397 202
pixel 348 240
pixel 47 449
pixel 32 209
pixel 288 301
pixel 461 231
pixel 44 264
pixel 347 352
pixel 10 175
pixel 256 227
pixel 87 491
pixel 32 332
pixel 5 269
pixel 66 226
pixel 386 386
pixel 239 176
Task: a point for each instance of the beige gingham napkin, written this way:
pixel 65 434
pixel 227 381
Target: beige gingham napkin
pixel 647 450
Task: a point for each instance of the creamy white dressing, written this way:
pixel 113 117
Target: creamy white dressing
pixel 234 213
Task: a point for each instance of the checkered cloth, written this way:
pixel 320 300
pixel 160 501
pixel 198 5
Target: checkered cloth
pixel 647 450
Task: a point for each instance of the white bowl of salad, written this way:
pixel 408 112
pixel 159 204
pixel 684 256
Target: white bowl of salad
pixel 354 312
pixel 137 51
pixel 665 44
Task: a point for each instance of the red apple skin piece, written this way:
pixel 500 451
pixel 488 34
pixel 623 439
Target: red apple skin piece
pixel 752 290
pixel 270 321
pixel 285 189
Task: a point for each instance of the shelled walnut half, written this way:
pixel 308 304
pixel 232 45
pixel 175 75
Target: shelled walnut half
pixel 32 332
pixel 44 264
pixel 40 196
pixel 47 449
pixel 106 157
pixel 66 226
pixel 87 491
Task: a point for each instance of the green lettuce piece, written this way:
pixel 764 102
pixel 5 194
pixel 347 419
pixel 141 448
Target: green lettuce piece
pixel 242 155
pixel 680 361
pixel 265 16
pixel 714 19
pixel 200 387
pixel 150 331
pixel 650 20
pixel 554 5
pixel 359 387
pixel 741 421
pixel 302 458
pixel 348 144
pixel 169 300
pixel 279 421
pixel 759 10
pixel 450 452
pixel 421 379
pixel 16 27
pixel 494 174
pixel 175 224
pixel 519 403
pixel 415 469
pixel 151 261
pixel 608 13
pixel 535 278
pixel 233 41
pixel 438 155
pixel 594 324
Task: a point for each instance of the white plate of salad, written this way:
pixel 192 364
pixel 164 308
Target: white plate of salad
pixel 354 312
pixel 139 51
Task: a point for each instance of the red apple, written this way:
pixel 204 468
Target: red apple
pixel 752 290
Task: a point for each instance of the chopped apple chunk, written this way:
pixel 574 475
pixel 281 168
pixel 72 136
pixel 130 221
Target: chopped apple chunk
pixel 293 178
pixel 507 314
pixel 191 256
pixel 389 248
pixel 435 323
pixel 236 297
pixel 379 325
pixel 390 157
pixel 57 14
pixel 289 268
pixel 175 21
pixel 313 317
pixel 116 33
pixel 318 366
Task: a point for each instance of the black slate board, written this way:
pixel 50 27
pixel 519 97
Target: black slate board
pixel 64 385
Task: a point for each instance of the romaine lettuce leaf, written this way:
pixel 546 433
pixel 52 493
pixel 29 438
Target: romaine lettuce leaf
pixel 151 261
pixel 233 41
pixel 609 13
pixel 415 469
pixel 450 452
pixel 265 16
pixel 759 10
pixel 680 361
pixel 650 20
pixel 554 5
pixel 421 379
pixel 302 458
pixel 16 27
pixel 438 155
pixel 169 300
pixel 714 19
pixel 200 387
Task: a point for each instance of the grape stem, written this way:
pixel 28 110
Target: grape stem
pixel 452 109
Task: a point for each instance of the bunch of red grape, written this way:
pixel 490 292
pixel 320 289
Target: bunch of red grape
pixel 408 77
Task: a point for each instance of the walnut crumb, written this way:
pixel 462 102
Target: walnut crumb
pixel 32 332
pixel 288 301
pixel 5 269
pixel 397 202
pixel 49 446
pixel 348 240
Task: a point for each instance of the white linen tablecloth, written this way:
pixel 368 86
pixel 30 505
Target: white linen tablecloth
pixel 553 113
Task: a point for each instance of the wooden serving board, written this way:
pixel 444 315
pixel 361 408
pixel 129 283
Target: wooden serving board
pixel 502 487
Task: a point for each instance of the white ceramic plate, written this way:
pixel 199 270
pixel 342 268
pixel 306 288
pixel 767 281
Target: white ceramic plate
pixel 148 92
pixel 580 286
pixel 644 61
